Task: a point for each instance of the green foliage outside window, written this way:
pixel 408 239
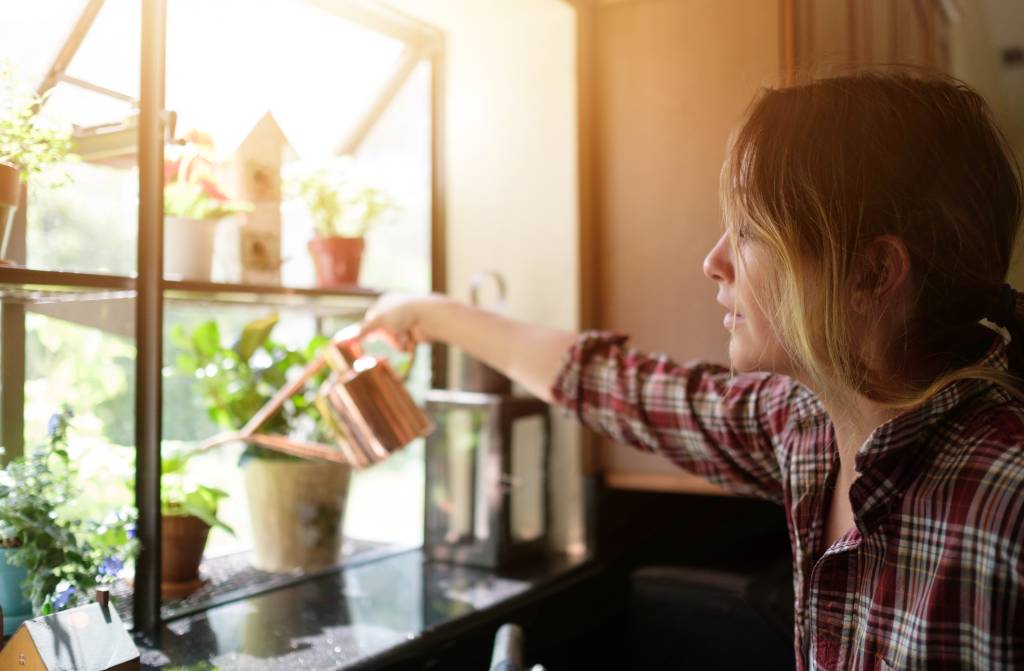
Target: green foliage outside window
pixel 237 380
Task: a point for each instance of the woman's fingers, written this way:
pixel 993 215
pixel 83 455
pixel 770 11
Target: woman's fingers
pixel 391 319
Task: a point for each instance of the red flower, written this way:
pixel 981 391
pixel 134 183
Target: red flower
pixel 171 168
pixel 211 189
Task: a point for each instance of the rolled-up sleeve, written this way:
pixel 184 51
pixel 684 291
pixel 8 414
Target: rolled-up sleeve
pixel 728 429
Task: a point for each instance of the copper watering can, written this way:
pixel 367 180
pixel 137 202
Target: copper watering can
pixel 363 401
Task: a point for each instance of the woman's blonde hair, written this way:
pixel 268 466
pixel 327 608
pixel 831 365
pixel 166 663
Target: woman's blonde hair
pixel 819 171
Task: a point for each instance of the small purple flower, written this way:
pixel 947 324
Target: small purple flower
pixel 130 530
pixel 111 566
pixel 53 426
pixel 62 598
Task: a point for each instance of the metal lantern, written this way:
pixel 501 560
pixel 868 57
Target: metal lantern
pixel 487 494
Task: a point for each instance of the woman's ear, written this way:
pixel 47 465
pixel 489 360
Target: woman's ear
pixel 884 268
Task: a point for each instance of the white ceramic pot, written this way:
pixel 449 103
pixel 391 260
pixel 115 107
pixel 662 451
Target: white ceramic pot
pixel 188 248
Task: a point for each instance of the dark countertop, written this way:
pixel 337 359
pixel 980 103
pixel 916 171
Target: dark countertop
pixel 357 617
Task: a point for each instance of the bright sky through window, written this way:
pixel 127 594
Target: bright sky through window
pixel 228 63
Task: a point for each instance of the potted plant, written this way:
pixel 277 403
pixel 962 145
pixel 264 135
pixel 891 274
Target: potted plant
pixel 49 558
pixel 193 206
pixel 27 147
pixel 343 212
pixel 188 510
pixel 296 505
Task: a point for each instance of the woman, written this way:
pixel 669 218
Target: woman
pixel 869 222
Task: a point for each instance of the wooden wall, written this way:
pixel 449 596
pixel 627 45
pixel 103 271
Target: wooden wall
pixel 662 84
pixel 838 34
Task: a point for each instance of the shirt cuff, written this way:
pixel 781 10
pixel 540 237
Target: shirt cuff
pixel 567 389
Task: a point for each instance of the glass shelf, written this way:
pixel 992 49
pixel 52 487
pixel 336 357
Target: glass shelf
pixel 232 577
pixel 29 286
pixel 349 300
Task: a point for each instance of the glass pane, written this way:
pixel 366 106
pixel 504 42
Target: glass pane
pixel 458 489
pixel 396 157
pixel 87 224
pixel 370 510
pixel 73 205
pixel 290 111
pixel 187 409
pixel 80 365
pixel 31 34
pixel 232 61
pixel 109 54
pixel 527 478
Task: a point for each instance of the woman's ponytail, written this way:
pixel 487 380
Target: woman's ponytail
pixel 1008 312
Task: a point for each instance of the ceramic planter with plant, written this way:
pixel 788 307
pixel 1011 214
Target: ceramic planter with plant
pixel 188 512
pixel 296 506
pixel 194 204
pixel 343 212
pixel 28 147
pixel 50 559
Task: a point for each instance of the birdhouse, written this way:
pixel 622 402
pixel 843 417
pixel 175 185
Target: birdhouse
pixel 254 175
pixel 87 638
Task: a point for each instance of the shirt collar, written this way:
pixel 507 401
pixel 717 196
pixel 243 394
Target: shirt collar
pixel 909 427
pixel 885 464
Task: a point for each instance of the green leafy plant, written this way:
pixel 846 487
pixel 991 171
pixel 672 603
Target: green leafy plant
pixel 65 556
pixel 181 494
pixel 236 380
pixel 191 188
pixel 25 142
pixel 339 205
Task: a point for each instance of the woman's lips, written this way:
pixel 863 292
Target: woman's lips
pixel 732 320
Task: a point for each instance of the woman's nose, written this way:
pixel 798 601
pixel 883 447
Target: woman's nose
pixel 718 263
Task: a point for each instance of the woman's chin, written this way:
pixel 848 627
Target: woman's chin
pixel 738 358
pixel 760 358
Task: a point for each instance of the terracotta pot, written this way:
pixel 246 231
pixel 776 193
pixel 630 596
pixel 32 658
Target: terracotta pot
pixel 10 186
pixel 336 260
pixel 184 539
pixel 296 509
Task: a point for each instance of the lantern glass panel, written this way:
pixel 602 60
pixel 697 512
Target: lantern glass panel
pixel 457 494
pixel 527 504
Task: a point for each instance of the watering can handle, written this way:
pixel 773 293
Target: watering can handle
pixel 477 281
pixel 352 349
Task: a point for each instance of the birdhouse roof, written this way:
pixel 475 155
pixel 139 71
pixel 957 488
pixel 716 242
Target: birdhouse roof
pixel 266 131
pixel 87 638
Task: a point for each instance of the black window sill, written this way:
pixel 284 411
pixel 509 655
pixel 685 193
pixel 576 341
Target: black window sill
pixel 392 610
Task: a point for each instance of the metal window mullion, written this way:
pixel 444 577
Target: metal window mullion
pixel 149 315
pixel 438 212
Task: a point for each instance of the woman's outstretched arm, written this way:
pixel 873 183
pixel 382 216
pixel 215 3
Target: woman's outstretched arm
pixel 529 354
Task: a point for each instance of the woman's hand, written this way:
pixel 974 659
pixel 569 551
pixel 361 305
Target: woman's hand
pixel 401 319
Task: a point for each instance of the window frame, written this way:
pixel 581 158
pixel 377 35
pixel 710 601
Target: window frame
pixel 423 43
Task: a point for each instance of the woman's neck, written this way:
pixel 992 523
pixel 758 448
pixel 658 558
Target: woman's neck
pixel 853 421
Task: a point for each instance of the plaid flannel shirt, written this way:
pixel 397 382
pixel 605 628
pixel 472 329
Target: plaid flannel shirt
pixel 931 574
